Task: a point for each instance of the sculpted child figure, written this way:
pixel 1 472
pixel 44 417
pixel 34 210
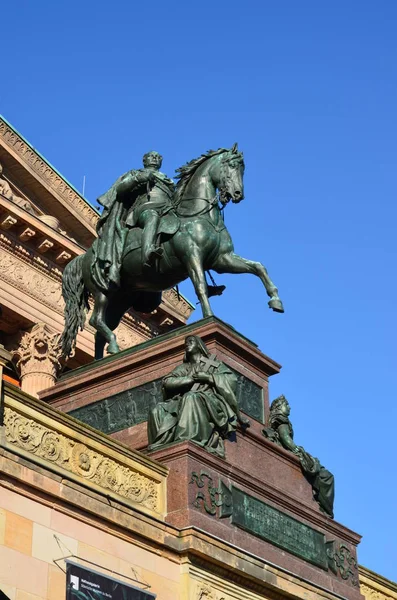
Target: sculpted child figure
pixel 200 403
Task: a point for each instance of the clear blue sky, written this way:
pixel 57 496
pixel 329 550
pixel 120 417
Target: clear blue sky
pixel 309 90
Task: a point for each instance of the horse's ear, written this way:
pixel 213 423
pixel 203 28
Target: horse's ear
pixel 234 149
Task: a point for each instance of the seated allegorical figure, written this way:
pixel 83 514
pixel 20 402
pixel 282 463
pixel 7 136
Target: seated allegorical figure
pixel 280 432
pixel 200 403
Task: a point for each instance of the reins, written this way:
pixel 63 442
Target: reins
pixel 212 202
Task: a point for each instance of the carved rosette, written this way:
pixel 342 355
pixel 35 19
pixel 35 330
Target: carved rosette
pixel 79 459
pixel 38 357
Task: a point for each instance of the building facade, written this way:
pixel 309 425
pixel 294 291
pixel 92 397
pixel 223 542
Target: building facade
pixel 45 223
pixel 68 491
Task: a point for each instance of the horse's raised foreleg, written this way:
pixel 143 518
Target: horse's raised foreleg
pixel 98 321
pixel 233 263
pixel 197 275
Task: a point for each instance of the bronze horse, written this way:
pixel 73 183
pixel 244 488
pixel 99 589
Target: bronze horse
pixel 201 242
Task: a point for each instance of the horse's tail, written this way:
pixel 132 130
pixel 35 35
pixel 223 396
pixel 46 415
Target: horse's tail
pixel 75 294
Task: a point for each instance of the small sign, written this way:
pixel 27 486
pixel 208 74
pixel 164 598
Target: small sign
pixel 85 584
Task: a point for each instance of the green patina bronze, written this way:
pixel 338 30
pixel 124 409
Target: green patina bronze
pixel 151 236
pixel 131 407
pixel 199 405
pixel 121 410
pixel 280 432
pixel 280 529
pixel 267 522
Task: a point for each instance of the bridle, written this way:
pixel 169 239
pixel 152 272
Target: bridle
pixel 212 202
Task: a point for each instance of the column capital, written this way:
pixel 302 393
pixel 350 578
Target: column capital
pixel 38 358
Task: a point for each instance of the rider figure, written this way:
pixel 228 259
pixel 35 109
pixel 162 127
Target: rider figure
pixel 149 207
pixel 138 198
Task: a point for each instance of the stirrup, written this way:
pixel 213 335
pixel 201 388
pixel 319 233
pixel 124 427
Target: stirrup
pixel 153 254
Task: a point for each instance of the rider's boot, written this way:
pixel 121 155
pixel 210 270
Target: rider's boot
pixel 149 250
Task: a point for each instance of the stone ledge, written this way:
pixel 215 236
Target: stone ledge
pixel 201 553
pixel 55 441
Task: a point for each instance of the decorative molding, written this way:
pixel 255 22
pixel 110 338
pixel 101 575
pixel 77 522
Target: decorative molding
pixel 38 358
pixel 8 222
pixel 127 337
pixel 39 350
pixel 44 171
pixel 371 593
pixel 45 245
pixel 39 278
pixel 27 234
pixel 205 592
pixel 77 458
pixel 63 257
pixel 178 303
pixel 375 587
pixel 343 563
pixel 10 242
pixel 132 321
pixel 23 275
pixel 213 493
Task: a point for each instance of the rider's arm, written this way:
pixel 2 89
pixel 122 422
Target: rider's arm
pixel 132 180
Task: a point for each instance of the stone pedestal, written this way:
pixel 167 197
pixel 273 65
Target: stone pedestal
pixel 115 394
pixel 256 500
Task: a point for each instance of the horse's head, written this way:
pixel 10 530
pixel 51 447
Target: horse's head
pixel 230 176
pixel 220 169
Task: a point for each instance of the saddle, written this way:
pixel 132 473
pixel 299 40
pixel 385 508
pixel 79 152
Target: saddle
pixel 168 226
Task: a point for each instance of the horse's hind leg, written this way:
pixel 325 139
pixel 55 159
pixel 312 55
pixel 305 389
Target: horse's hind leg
pixel 100 343
pixel 98 320
pixel 233 263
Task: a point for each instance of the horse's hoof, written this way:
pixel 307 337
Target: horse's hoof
pixel 276 305
pixel 113 348
pixel 215 290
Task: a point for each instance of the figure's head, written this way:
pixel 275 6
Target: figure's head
pixel 152 160
pixel 194 345
pixel 231 186
pixel 280 405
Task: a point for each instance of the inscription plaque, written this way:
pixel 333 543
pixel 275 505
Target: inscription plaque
pixel 278 528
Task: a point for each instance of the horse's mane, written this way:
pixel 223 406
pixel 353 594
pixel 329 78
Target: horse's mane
pixel 184 173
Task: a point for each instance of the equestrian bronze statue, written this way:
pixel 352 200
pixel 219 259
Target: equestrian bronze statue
pixel 151 236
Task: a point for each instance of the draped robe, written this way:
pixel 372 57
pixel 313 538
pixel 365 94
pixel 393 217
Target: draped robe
pixel 206 416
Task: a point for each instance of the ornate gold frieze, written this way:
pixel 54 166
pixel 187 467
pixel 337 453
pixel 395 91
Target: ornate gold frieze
pixel 78 458
pixel 371 593
pixel 375 587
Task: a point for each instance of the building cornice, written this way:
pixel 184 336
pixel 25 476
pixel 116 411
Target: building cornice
pixel 48 176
